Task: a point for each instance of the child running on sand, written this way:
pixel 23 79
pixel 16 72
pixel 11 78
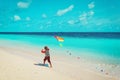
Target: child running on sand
pixel 47 55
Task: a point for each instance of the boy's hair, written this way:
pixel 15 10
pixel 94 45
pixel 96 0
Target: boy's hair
pixel 45 47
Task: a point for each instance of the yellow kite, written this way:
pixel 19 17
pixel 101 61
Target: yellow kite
pixel 59 38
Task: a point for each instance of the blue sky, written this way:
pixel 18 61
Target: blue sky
pixel 60 16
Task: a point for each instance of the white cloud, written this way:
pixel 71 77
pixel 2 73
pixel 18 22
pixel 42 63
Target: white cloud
pixel 71 22
pixel 44 16
pixel 84 22
pixel 23 4
pixel 102 21
pixel 62 12
pixel 91 13
pixel 17 18
pixel 86 16
pixel 83 18
pixel 28 18
pixel 91 5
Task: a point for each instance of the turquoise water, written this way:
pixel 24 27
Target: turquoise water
pixel 98 46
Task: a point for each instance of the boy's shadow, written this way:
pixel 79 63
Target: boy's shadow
pixel 40 64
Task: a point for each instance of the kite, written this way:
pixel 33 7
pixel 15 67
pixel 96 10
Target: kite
pixel 60 39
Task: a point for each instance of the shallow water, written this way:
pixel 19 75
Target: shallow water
pixel 107 49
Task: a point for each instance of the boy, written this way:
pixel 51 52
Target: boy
pixel 47 56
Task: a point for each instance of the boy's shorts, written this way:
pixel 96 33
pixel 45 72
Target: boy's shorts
pixel 47 58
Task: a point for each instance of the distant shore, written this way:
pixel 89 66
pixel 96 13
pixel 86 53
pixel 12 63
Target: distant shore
pixel 70 34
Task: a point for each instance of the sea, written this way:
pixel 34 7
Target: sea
pixel 104 46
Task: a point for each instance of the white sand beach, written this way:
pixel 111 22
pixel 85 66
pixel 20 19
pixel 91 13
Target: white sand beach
pixel 23 62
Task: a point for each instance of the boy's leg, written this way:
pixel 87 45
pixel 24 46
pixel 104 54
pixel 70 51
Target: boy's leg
pixel 44 60
pixel 49 62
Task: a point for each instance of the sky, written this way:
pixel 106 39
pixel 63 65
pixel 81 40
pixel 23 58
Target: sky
pixel 59 15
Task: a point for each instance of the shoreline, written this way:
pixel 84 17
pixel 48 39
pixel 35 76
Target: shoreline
pixel 67 65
